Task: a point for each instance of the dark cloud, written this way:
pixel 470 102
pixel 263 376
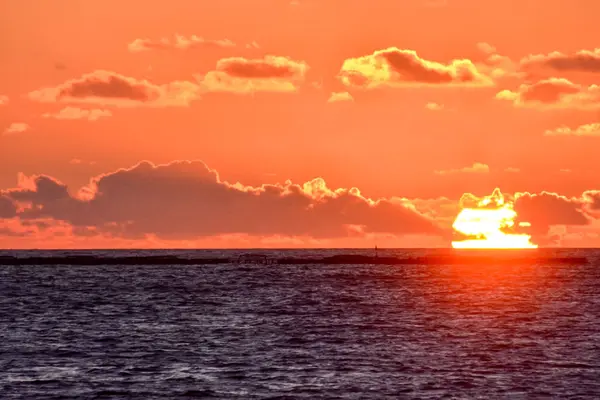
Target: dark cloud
pixel 111 88
pixel 414 68
pixel 186 199
pixel 581 61
pixel 545 209
pixel 548 91
pixel 7 207
pixel 592 198
pixel 553 93
pixel 256 69
pixel 401 66
pixel 267 74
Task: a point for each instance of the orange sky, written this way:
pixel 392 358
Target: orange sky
pixel 237 108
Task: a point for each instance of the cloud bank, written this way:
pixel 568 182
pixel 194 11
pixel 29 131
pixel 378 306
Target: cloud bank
pixel 186 199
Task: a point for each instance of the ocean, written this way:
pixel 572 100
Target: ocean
pixel 232 331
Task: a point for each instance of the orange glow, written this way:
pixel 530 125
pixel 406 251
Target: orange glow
pixel 490 223
pixel 278 97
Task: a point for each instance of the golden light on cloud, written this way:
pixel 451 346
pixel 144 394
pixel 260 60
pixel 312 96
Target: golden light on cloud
pixel 489 223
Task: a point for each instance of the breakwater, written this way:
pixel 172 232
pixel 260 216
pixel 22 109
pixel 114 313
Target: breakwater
pixel 454 259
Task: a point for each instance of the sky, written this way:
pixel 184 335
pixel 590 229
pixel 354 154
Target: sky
pixel 303 123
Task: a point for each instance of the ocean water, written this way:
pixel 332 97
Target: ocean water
pixel 299 331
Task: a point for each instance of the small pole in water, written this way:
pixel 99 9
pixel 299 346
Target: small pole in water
pixel 376 251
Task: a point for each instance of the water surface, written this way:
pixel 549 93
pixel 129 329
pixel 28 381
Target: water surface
pixel 300 331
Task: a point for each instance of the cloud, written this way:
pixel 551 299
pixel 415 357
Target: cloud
pixel 399 68
pixel 77 161
pixel 592 200
pixel 545 210
pixel 486 48
pixel 434 106
pixel 441 209
pixel 553 93
pixel 186 202
pixel 512 170
pixel 11 227
pixel 496 65
pixel 112 89
pixel 582 130
pixel 8 208
pixel 3 100
pixel 178 42
pixel 186 199
pixel 52 234
pixel 236 74
pixel 580 61
pixel 268 74
pixel 16 127
pixel 340 96
pixel 476 168
pixel 548 213
pixel 551 208
pixel 79 113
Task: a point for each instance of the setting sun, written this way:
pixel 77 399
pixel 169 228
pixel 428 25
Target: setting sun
pixel 491 225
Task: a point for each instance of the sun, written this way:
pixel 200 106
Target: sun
pixel 490 224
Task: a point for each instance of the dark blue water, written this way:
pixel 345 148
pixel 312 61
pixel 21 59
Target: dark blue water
pixel 300 332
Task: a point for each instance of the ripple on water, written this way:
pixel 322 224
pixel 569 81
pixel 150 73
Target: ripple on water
pixel 368 331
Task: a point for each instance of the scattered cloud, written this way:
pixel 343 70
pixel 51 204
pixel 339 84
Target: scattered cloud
pixel 434 106
pixel 476 168
pixel 512 170
pixel 495 64
pixel 580 61
pixel 486 48
pixel 77 161
pixel 111 89
pixel 268 74
pixel 340 96
pixel 92 114
pixel 3 100
pixel 582 130
pixel 396 67
pixel 553 93
pixel 16 127
pixel 178 42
